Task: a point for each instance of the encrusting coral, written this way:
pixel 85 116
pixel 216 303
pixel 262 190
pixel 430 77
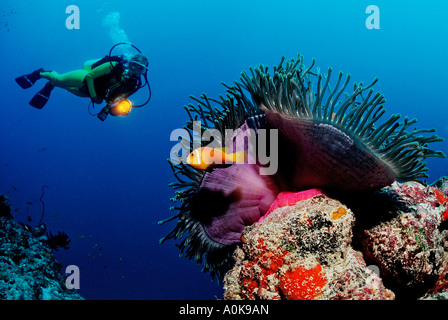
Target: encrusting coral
pixel 311 249
pixel 411 248
pixel 303 252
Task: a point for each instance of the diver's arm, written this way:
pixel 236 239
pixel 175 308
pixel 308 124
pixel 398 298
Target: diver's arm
pixel 99 71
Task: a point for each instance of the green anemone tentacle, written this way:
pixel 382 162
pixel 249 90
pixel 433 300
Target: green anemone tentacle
pixel 292 93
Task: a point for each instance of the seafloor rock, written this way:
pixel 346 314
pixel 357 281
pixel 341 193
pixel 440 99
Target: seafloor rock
pixel 440 289
pixel 410 249
pixel 28 269
pixel 305 251
pixel 302 252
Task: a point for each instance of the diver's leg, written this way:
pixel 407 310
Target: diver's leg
pixel 72 79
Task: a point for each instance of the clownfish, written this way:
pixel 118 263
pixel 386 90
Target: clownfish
pixel 205 157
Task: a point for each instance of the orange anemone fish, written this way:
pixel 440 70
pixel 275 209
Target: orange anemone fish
pixel 205 157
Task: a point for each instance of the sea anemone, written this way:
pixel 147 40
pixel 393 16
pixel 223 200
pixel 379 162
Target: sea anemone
pixel 327 139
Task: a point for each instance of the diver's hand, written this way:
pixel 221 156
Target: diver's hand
pixel 97 100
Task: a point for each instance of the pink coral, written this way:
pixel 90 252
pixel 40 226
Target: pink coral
pixel 290 198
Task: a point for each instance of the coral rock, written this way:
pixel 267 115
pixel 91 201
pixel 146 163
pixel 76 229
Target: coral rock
pixel 28 269
pixel 440 289
pixel 409 248
pixel 302 251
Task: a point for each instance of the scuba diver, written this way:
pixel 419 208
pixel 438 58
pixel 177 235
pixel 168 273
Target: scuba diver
pixel 112 79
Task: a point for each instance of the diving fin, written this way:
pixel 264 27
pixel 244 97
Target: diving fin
pixel 28 80
pixel 41 98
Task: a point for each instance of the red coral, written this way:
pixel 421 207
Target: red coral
pixel 302 283
pixel 443 200
pixel 255 274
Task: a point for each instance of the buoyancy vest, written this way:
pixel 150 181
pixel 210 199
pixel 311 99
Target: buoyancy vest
pixel 117 82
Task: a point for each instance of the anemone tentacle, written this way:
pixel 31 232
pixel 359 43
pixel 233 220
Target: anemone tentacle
pixel 297 93
pixel 230 113
pixel 290 92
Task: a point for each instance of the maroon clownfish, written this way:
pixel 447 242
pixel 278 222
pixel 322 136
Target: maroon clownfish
pixel 205 157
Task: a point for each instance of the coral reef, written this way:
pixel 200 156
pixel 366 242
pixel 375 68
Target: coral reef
pixel 410 248
pixel 329 137
pixel 28 268
pixel 303 252
pixel 440 289
pixel 313 250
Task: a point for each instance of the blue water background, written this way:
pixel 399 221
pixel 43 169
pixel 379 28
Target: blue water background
pixel 108 182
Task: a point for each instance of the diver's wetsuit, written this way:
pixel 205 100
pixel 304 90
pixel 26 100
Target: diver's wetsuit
pixel 105 81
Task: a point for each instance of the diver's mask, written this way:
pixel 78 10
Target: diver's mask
pixel 135 70
pixel 137 67
pixel 119 107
